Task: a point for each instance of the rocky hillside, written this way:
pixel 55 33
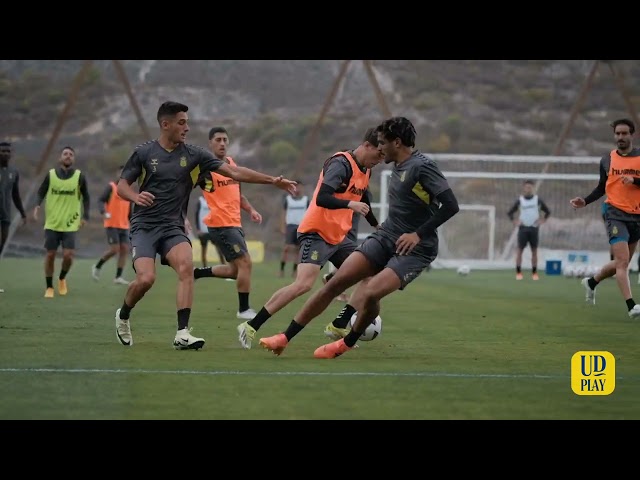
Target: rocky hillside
pixel 269 107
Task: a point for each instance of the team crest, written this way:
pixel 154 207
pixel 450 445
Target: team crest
pixel 183 161
pixel 314 255
pixel 614 230
pixel 236 248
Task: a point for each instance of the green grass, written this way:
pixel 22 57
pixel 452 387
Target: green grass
pixel 480 347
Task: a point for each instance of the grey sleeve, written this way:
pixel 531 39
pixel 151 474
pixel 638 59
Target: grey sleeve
pixel 208 162
pixel 336 172
pixel 432 179
pixel 133 168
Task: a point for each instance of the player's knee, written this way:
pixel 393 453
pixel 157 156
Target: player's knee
pixel 302 286
pixel 146 280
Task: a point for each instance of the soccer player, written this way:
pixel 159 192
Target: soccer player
pixel 66 210
pixel 620 182
pixel 340 191
pixel 202 210
pixel 115 212
pixel 420 200
pixel 294 209
pixel 9 192
pixel 167 170
pixel 224 224
pixel 529 205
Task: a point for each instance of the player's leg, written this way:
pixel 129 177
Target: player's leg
pixel 533 244
pixel 175 251
pixel 68 241
pixel 4 234
pixel 123 255
pixel 52 240
pixel 204 242
pixel 112 241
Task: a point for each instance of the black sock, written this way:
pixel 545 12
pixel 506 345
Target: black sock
pixel 183 318
pixel 261 317
pixel 534 269
pixel 293 329
pixel 630 303
pixel 593 283
pixel 329 276
pixel 49 282
pixel 518 269
pixel 282 264
pixel 343 318
pixel 202 272
pixel 125 311
pixel 351 338
pixel 243 301
pixel 118 272
pixel 100 263
pixel 63 274
pixel 611 257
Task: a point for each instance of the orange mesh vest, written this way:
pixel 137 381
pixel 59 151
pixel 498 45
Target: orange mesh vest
pixel 118 208
pixel 333 225
pixel 623 197
pixel 223 201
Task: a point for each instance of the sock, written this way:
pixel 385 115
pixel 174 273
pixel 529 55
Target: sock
pixel 343 318
pixel 100 263
pixel 125 311
pixel 351 338
pixel 518 269
pixel 534 269
pixel 118 272
pixel 329 276
pixel 282 264
pixel 630 303
pixel 293 329
pixel 49 282
pixel 593 283
pixel 63 274
pixel 243 301
pixel 202 272
pixel 183 318
pixel 259 319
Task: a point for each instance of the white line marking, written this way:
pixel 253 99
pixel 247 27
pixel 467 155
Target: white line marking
pixel 269 374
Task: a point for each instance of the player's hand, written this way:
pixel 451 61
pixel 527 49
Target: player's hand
pixel 145 199
pixel 285 184
pixel 35 212
pixel 107 215
pixel 83 222
pixel 359 207
pixel 577 202
pixel 406 242
pixel 24 221
pixel 627 179
pixel 517 222
pixel 256 217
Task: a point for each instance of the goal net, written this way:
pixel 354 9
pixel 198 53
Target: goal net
pixel 482 235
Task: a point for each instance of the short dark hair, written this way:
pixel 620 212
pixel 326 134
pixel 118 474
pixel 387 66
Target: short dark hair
pixel 528 182
pixel 624 121
pixel 5 144
pixel 371 136
pixel 215 130
pixel 67 147
pixel 398 127
pixel 170 109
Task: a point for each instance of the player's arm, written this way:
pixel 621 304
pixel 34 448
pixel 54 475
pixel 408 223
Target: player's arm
pixel 17 199
pixel 246 205
pixel 196 216
pixel 103 199
pixel 131 171
pixel 337 173
pixel 512 211
pixel 599 191
pixel 433 181
pixel 86 200
pixel 544 209
pixel 369 217
pixel 42 192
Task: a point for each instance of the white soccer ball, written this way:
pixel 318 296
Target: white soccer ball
pixel 464 270
pixel 568 271
pixel 373 330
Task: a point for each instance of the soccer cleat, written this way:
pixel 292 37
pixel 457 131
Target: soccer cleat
pixel 590 295
pixel 331 350
pixel 95 273
pixel 246 334
pixel 62 287
pixel 535 276
pixel 185 341
pixel 48 293
pixel 634 312
pixel 519 276
pixel 123 330
pixel 120 281
pixel 335 333
pixel 248 314
pixel 276 343
pixel 325 277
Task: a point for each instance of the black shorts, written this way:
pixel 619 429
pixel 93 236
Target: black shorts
pixel 291 235
pixel 116 236
pixel 527 235
pixel 147 242
pixel 204 239
pixel 315 250
pixel 230 241
pixel 53 239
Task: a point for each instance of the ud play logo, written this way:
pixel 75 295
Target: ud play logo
pixel 593 373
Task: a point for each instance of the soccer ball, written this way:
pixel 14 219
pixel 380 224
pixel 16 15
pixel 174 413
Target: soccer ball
pixel 372 331
pixel 464 270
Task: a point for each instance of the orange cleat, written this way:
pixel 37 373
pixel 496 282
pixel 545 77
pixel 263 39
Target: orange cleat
pixel 535 276
pixel 276 343
pixel 331 350
pixel 519 276
pixel 62 287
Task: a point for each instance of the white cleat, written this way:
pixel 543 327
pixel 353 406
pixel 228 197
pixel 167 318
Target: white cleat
pixel 120 281
pixel 590 295
pixel 248 314
pixel 246 334
pixel 185 341
pixel 634 312
pixel 95 273
pixel 123 330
